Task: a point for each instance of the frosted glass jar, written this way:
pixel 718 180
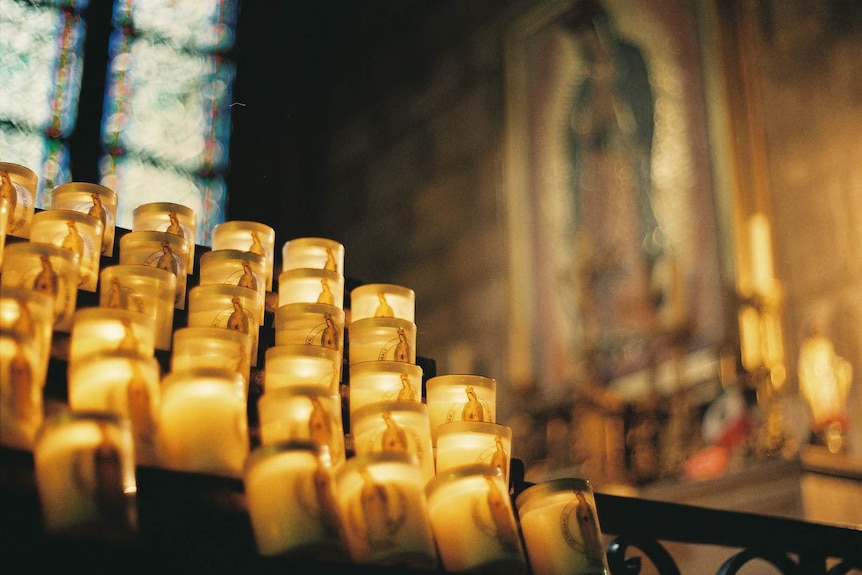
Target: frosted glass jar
pixel 290 490
pixel 382 300
pixel 255 237
pixel 313 253
pixel 48 269
pixel 144 289
pixel 460 397
pixel 203 424
pixel 176 219
pixel 79 232
pixel 161 250
pixel 474 522
pixel 93 199
pixel 18 184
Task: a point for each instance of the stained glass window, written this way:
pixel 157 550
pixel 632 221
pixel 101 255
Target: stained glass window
pixel 166 119
pixel 165 116
pixel 40 73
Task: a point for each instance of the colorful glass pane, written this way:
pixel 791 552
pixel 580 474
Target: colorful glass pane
pixel 198 25
pixel 168 106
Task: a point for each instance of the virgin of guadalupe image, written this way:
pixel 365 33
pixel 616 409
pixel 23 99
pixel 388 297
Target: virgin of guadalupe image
pixel 609 142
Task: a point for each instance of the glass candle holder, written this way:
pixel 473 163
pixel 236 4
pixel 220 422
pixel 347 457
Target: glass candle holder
pixel 315 324
pixel 394 427
pixel 313 253
pixel 161 250
pixel 18 184
pixel 382 500
pixel 460 397
pixel 474 522
pixel 47 269
pixel 306 285
pixel 30 315
pixel 300 365
pixel 382 339
pixel 235 267
pixel 84 465
pixel 305 413
pixel 92 199
pixel 203 424
pixel 21 408
pixel 176 219
pixel 76 231
pixel 290 490
pixel 561 529
pixel 97 329
pixel 228 307
pixel 255 237
pixel 382 300
pixel 383 381
pixel 143 289
pixel 469 442
pixel 207 346
pixel 125 383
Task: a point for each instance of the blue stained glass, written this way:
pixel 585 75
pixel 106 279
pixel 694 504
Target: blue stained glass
pixel 199 25
pixel 48 157
pixel 168 106
pixel 40 66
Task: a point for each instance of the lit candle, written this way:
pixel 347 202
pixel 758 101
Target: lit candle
pixel 300 365
pixel 460 397
pixel 30 315
pixel 203 424
pixel 175 219
pixel 144 289
pixel 229 307
pixel 470 442
pixel 382 300
pixel 561 528
pixel 255 237
pixel 303 413
pixel 760 238
pixel 236 267
pixel 208 346
pixel 385 511
pixel 309 285
pixel 313 324
pixel 383 381
pixel 162 250
pixel 21 411
pixel 48 269
pixel 313 253
pixel 290 491
pixel 93 199
pixel 85 474
pixel 18 185
pixel 382 339
pixel 394 427
pixel 75 231
pixel 96 329
pixel 474 523
pixel 125 383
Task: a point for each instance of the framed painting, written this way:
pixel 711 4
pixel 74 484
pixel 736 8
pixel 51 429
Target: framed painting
pixel 616 196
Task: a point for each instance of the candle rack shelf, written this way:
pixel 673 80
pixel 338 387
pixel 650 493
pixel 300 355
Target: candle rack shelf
pixel 188 522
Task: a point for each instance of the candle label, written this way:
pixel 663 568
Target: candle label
pixel 325 334
pixel 579 527
pixel 45 279
pixel 492 515
pixel 73 240
pixel 394 438
pixel 379 513
pixel 474 409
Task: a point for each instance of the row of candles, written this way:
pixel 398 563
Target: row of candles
pixel 418 475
